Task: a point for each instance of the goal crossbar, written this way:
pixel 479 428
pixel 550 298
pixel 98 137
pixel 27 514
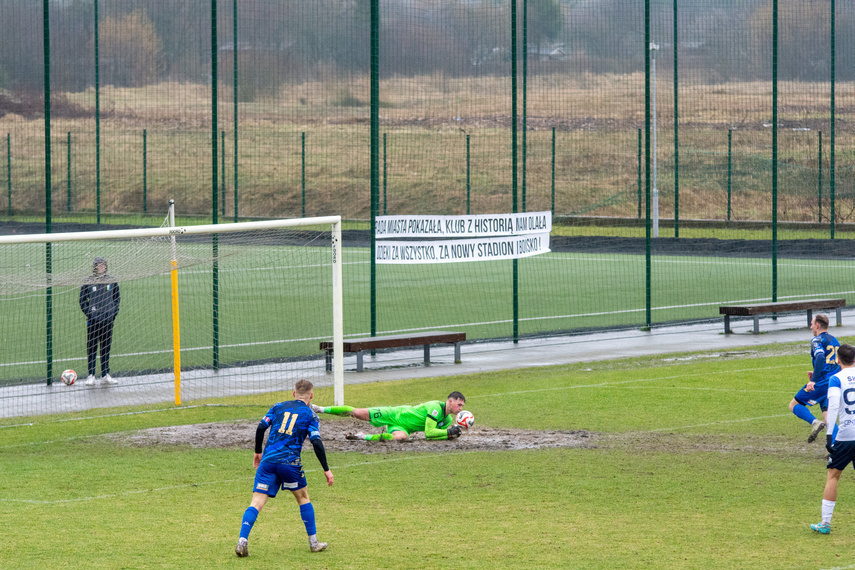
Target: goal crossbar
pixel 177 231
pixel 170 231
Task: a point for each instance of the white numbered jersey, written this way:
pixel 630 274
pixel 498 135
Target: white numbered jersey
pixel 841 404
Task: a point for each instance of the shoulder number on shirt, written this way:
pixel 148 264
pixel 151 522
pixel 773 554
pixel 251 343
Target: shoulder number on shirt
pixel 290 426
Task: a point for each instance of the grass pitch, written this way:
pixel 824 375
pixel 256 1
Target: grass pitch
pixel 692 463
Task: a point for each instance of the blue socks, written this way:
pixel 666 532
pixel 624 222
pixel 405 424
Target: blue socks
pixel 802 412
pixel 307 513
pixel 249 517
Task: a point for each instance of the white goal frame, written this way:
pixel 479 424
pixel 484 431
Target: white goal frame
pixel 337 291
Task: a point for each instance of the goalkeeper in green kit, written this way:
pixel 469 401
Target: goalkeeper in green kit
pixel 435 418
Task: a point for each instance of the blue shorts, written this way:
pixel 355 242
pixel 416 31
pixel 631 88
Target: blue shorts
pixel 817 396
pixel 271 476
pixel 844 453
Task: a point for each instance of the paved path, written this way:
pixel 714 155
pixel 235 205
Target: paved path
pixel 484 357
pixel 37 399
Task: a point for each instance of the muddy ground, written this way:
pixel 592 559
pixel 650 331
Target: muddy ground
pixel 242 435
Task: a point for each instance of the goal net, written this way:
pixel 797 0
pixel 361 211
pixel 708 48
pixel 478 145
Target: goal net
pixel 189 313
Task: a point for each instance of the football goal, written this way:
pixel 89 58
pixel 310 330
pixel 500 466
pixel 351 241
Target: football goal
pixel 169 314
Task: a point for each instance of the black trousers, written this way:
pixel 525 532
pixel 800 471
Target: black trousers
pixel 99 333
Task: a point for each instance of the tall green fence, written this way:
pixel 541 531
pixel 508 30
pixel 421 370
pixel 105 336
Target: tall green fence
pixel 692 152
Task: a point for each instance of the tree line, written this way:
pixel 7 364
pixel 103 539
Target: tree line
pixel 148 41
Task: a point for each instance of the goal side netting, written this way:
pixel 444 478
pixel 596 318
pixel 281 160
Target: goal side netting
pixel 194 313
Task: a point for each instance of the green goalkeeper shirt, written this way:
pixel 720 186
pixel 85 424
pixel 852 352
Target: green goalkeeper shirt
pixel 429 417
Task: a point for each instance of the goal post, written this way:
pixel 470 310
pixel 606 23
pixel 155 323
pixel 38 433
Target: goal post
pixel 278 293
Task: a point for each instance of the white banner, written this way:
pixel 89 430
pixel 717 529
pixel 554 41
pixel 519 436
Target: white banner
pixel 460 250
pixel 482 225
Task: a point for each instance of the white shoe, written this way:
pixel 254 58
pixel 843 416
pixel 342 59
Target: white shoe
pixel 317 409
pixel 90 380
pixel 317 546
pixel 107 380
pixel 242 549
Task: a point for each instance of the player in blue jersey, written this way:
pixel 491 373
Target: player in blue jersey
pixel 280 465
pixel 841 409
pixel 823 352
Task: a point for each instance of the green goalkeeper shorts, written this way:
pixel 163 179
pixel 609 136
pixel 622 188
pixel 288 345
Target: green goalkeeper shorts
pixel 387 417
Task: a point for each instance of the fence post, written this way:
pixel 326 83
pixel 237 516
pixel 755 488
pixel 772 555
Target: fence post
pixel 215 246
pixel 639 173
pixel 235 98
pixel 819 180
pixel 48 198
pixel 774 151
pixel 9 173
pixel 97 121
pixel 553 172
pixel 468 177
pixel 729 169
pixel 223 170
pixel 831 167
pixel 384 174
pixel 144 171
pixel 303 169
pixel 648 298
pixel 676 131
pixel 68 173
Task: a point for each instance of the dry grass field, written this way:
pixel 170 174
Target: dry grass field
pixel 424 123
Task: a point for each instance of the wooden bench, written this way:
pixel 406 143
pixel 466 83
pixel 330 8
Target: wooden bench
pixel 755 310
pixel 360 345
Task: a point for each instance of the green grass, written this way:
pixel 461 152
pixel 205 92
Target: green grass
pixel 260 310
pixel 694 464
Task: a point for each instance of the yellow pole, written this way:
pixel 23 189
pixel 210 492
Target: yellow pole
pixel 176 333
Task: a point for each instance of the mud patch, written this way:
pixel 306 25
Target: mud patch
pixel 242 435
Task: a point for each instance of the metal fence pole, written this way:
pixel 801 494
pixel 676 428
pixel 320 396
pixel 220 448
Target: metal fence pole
pixel 48 221
pixel 68 172
pixel 97 121
pixel 303 170
pixel 774 151
pixel 819 179
pixel 9 174
pixel 468 177
pixel 832 175
pixel 729 169
pixel 553 172
pixel 215 284
pixel 676 130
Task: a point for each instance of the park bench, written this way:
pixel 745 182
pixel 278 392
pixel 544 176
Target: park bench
pixel 757 309
pixel 360 345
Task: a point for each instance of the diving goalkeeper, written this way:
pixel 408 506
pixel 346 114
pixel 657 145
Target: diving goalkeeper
pixel 435 418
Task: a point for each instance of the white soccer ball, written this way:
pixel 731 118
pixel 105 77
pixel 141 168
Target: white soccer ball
pixel 465 419
pixel 68 377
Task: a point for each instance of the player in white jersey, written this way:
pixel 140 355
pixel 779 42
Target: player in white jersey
pixel 841 411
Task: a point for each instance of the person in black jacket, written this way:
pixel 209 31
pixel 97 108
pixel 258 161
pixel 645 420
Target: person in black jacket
pixel 99 301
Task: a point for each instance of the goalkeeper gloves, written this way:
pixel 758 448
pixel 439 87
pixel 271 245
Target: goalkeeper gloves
pixel 453 432
pixel 829 445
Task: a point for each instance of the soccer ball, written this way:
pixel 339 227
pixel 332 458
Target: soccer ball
pixel 465 419
pixel 68 377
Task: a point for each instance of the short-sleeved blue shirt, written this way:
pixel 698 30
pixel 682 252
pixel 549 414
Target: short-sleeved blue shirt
pixel 290 423
pixel 823 353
